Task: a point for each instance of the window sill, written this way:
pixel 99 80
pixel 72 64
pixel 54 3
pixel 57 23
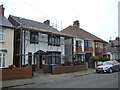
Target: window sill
pixel 2 41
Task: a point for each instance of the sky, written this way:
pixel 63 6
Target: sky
pixel 99 17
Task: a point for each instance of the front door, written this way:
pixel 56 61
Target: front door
pixel 87 58
pixel 40 61
pixel 39 58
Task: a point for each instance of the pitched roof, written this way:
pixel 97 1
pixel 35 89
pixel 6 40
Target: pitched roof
pixel 110 48
pixel 5 22
pixel 31 23
pixel 79 32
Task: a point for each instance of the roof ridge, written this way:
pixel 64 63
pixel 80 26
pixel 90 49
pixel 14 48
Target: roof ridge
pixel 87 34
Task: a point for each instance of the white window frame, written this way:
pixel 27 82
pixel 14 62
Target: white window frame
pixel 2 60
pixel 2 34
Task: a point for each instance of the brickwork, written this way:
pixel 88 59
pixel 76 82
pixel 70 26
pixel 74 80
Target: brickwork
pixel 14 72
pixel 65 69
pixel 98 50
pixel 78 49
pixel 88 49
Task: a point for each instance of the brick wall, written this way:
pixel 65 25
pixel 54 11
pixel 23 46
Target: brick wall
pixel 88 49
pixel 78 49
pixel 14 72
pixel 65 69
pixel 99 50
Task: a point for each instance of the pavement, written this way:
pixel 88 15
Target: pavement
pixel 44 78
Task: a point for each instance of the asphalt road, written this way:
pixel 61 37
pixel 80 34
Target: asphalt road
pixel 107 80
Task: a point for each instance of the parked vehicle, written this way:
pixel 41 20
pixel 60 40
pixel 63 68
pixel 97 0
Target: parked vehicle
pixel 108 66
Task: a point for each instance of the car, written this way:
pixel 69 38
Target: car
pixel 108 66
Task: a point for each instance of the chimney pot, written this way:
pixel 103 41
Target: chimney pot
pixel 47 22
pixel 76 24
pixel 2 10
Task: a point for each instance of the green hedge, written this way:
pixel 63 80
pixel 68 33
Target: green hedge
pixel 96 58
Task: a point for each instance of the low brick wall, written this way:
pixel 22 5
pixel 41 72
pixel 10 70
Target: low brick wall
pixel 65 69
pixel 15 72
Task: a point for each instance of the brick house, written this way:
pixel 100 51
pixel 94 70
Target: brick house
pixel 37 43
pixel 6 40
pixel 85 44
pixel 114 49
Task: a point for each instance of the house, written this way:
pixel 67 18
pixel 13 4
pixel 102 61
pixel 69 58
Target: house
pixel 114 49
pixel 85 44
pixel 6 40
pixel 37 43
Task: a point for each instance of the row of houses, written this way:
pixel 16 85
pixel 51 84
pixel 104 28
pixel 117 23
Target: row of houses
pixel 27 42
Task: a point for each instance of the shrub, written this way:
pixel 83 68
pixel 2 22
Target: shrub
pixel 103 59
pixel 94 58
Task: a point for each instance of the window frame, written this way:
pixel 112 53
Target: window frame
pixel 53 40
pixel 98 45
pixel 88 43
pixel 79 43
pixel 54 57
pixel 34 37
pixel 2 35
pixel 2 60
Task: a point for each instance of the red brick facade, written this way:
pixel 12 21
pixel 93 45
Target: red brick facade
pixel 98 50
pixel 88 49
pixel 78 49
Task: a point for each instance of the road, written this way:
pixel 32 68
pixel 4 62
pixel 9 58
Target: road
pixel 107 80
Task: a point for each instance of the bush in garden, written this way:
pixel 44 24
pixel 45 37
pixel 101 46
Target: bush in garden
pixel 94 58
pixel 103 59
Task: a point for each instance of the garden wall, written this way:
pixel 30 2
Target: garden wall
pixel 65 69
pixel 15 72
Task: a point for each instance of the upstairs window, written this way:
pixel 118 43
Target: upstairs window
pixel 78 43
pixel 98 45
pixel 34 39
pixel 53 40
pixel 88 43
pixel 2 34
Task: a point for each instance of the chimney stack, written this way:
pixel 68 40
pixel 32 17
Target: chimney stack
pixel 2 10
pixel 76 24
pixel 47 22
pixel 117 38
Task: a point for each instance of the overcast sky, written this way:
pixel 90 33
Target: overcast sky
pixel 99 17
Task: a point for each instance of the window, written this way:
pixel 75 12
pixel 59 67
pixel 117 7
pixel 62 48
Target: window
pixel 98 45
pixel 54 58
pixel 78 43
pixel 54 40
pixel 2 60
pixel 2 34
pixel 34 37
pixel 88 43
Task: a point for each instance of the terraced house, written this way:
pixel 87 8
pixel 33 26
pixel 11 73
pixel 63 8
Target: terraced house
pixel 6 40
pixel 85 44
pixel 37 43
